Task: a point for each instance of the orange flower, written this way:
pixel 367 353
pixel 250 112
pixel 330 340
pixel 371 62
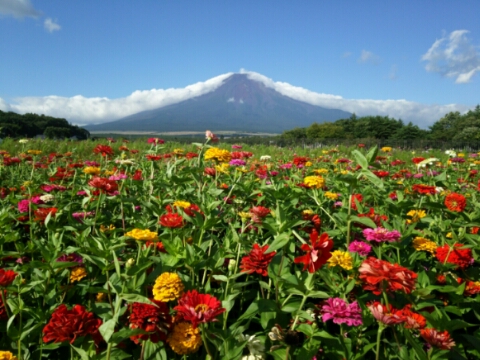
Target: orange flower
pixel 455 202
pixel 440 339
pixel 171 220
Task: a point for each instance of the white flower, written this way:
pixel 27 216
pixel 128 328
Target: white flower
pixel 265 158
pixel 47 198
pixel 438 189
pixel 125 162
pixel 23 141
pixel 451 153
pixel 426 162
pixel 255 346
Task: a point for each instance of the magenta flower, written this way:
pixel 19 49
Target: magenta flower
pixel 236 147
pixel 360 247
pixel 118 177
pixel 71 258
pixel 237 162
pixel 23 206
pixel 80 216
pixel 340 312
pixel 381 235
pixel 91 163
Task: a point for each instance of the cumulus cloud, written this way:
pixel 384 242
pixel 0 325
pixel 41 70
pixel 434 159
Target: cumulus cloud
pixel 51 25
pixel 18 9
pixel 453 56
pixel 368 57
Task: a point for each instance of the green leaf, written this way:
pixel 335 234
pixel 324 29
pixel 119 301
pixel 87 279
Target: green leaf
pixel 107 329
pixel 418 348
pixel 364 220
pixel 278 242
pixel 361 160
pixel 83 354
pixel 117 264
pixel 372 154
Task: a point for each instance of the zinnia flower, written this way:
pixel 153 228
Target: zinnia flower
pixel 424 189
pixel 153 319
pixel 198 308
pixel 314 182
pixel 422 244
pixel 146 235
pixel 171 220
pixel 440 339
pixel 78 273
pixel 455 202
pixel 317 253
pixel 7 355
pixel 168 287
pixel 378 275
pixel 340 312
pixel 381 235
pixel 386 315
pixel 67 325
pixel 415 215
pixel 104 150
pixel 412 319
pixel 456 255
pixel 104 185
pixel 42 213
pixel 217 154
pixel 342 259
pixel 7 277
pixel 360 247
pixel 259 213
pixel 184 338
pixel 257 261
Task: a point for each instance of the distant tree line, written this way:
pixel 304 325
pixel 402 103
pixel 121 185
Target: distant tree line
pixel 30 125
pixel 453 126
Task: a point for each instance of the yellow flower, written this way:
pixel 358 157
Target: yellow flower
pixel 27 183
pixel 182 204
pixel 449 235
pixel 342 259
pixel 331 195
pixel 109 172
pixel 386 149
pixel 345 172
pixel 222 168
pixel 320 171
pixel 184 338
pixel 218 155
pixel 420 243
pixel 178 151
pixel 244 215
pixel 107 228
pixel 168 287
pixel 7 355
pixel 78 273
pixel 101 297
pixel 308 164
pixel 34 152
pixel 146 234
pixel 316 182
pixel 461 155
pixel 307 212
pixel 325 152
pixel 416 215
pixel 91 170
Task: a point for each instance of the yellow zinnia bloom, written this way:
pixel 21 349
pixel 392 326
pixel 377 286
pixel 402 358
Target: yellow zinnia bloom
pixel 101 297
pixel 386 149
pixel 416 215
pixel 7 355
pixel 222 168
pixel 92 170
pixel 168 287
pixel 320 171
pixel 139 234
pixel 104 228
pixel 420 243
pixel 331 195
pixel 218 155
pixel 316 182
pixel 34 152
pixel 342 259
pixel 184 338
pixel 78 273
pixel 182 204
pixel 308 164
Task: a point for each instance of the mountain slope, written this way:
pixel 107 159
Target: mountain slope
pixel 239 104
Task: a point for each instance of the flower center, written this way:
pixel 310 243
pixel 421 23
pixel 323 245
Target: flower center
pixel 201 308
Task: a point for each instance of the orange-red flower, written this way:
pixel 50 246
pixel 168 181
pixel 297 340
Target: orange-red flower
pixel 456 255
pixel 379 275
pixel 413 320
pixel 424 189
pixel 440 339
pixel 104 150
pixel 104 185
pixel 386 315
pixel 42 213
pixel 317 253
pixel 258 213
pixel 257 261
pixel 67 325
pixel 6 277
pixel 198 308
pixel 455 202
pixel 171 220
pixel 154 319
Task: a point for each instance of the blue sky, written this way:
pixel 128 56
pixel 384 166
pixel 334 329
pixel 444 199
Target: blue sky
pixel 94 56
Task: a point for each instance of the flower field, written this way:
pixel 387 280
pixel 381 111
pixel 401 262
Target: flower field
pixel 149 250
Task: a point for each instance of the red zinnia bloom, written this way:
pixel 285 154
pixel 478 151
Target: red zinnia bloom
pixel 138 175
pixel 155 141
pixel 440 339
pixel 153 319
pixel 198 308
pixel 386 315
pixel 374 272
pixel 153 157
pixel 458 256
pixel 258 213
pixel 358 197
pixel 413 320
pixel 417 160
pixel 257 261
pixel 424 189
pixel 67 325
pixel 455 202
pixel 317 254
pixel 377 218
pixel 171 220
pixel 42 213
pixel 192 209
pixel 300 160
pixel 104 150
pixel 6 277
pixel 209 171
pixel 104 185
pixel 191 155
pixel 381 173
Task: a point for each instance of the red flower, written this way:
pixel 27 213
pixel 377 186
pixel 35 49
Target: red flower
pixel 358 197
pixel 381 173
pixel 440 339
pixel 171 220
pixel 138 175
pixel 376 274
pixel 386 315
pixel 257 261
pixel 424 189
pixel 153 157
pixel 67 325
pixel 3 313
pixel 417 160
pixel 6 277
pixel 300 160
pixel 104 185
pixel 455 202
pixel 258 213
pixel 209 171
pixel 104 150
pixel 198 308
pixel 377 219
pixel 413 320
pixel 42 213
pixel 150 318
pixel 460 257
pixel 317 254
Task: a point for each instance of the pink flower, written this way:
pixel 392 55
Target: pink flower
pixel 381 235
pixel 23 206
pixel 339 311
pixel 387 316
pixel 360 247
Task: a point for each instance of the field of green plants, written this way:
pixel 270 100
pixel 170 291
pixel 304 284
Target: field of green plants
pixel 148 249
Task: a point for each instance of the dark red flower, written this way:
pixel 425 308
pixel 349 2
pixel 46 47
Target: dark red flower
pixel 3 312
pixel 209 171
pixel 378 275
pixel 104 150
pixel 42 213
pixel 455 202
pixel 257 261
pixel 377 218
pixel 153 319
pixel 6 277
pixel 171 220
pixel 67 325
pixel 153 157
pixel 457 256
pixel 198 308
pixel 317 253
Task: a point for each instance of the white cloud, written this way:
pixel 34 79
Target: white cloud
pixel 51 25
pixel 232 99
pixel 453 56
pixel 18 8
pixel 368 57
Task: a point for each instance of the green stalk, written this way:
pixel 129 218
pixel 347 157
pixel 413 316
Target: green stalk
pixel 379 336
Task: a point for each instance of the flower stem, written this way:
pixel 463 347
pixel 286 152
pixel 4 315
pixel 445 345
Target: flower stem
pixel 379 336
